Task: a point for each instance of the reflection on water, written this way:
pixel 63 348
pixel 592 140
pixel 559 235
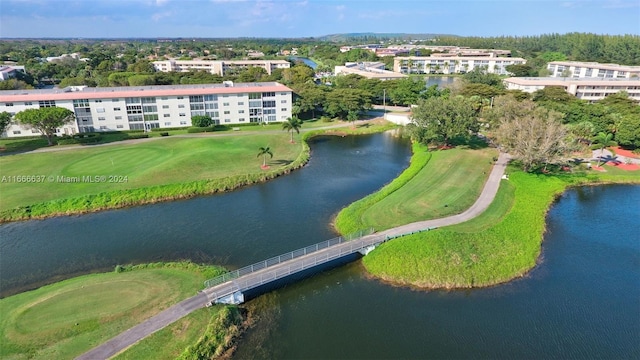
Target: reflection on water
pixel 583 301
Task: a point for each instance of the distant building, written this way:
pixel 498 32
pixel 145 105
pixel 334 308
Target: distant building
pixel 149 107
pixel 577 69
pixel 371 70
pixel 10 72
pixel 453 64
pixel 219 67
pixel 591 89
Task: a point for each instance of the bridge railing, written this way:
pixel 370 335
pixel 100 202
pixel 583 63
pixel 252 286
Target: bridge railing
pixel 231 275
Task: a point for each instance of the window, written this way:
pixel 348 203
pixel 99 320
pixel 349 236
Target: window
pixel 134 109
pixel 100 110
pixel 183 114
pixel 16 132
pixel 81 103
pixel 102 118
pixel 197 106
pixel 283 101
pixel 180 106
pixel 241 119
pixel 240 103
pixel 196 98
pixel 240 111
pixel 268 94
pixel 167 124
pixel 165 106
pixel 255 96
pixel 164 98
pixel 9 104
pixel 269 104
pixel 103 128
pixel 118 117
pixel 227 112
pixel 150 117
pixel 150 108
pixel 283 109
pixel 183 123
pixel 28 103
pixel 210 97
pixel 166 115
pixel 227 120
pixel 98 101
pixel 148 100
pixel 180 97
pixel 119 126
pixel 116 109
pixel 45 103
pixel 225 104
pixel 134 100
pixel 115 100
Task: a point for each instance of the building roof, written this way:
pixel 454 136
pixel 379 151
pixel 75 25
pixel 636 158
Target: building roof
pixel 554 81
pixel 74 93
pixel 462 58
pixel 596 65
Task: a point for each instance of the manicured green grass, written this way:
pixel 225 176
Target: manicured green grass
pixel 63 320
pixel 501 244
pixel 436 184
pixel 132 174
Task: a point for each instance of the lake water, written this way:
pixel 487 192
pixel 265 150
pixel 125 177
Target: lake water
pixel 582 301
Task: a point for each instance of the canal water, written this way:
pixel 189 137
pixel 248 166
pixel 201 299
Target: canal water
pixel 582 301
pixel 232 229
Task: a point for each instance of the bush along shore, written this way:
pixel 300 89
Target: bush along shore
pixel 501 244
pixel 153 194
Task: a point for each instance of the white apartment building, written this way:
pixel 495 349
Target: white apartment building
pixel 219 67
pixel 453 64
pixel 149 107
pixel 370 70
pixel 590 89
pixel 577 69
pixel 10 71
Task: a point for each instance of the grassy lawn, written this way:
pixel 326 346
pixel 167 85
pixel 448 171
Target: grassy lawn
pixel 63 320
pixel 437 184
pixel 499 245
pixel 165 161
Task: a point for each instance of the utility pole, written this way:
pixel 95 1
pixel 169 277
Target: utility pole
pixel 384 104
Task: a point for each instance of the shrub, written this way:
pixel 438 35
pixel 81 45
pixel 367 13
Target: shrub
pixel 164 134
pixel 137 136
pixel 201 121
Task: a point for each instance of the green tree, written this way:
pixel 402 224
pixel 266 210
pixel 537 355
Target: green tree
pixel 5 121
pixel 628 134
pixel 292 124
pixel 603 140
pixel 264 151
pixel 480 75
pixel 45 120
pixel 201 120
pixel 521 70
pixel 438 120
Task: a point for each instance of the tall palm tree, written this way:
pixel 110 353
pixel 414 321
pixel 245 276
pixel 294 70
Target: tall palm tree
pixel 603 140
pixel 264 151
pixel 292 124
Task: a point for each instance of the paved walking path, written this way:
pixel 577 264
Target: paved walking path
pixel 174 313
pixel 606 155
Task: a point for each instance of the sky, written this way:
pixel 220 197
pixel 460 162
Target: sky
pixel 311 18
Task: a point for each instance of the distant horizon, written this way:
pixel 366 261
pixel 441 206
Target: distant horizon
pixel 299 19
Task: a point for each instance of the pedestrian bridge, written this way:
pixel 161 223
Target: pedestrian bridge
pixel 231 287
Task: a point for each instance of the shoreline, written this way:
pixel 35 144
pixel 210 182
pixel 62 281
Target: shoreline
pixel 149 195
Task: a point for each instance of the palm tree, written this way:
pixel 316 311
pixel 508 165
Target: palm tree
pixel 603 140
pixel 292 124
pixel 264 151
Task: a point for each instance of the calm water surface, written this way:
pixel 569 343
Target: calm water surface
pixel 582 301
pixel 233 229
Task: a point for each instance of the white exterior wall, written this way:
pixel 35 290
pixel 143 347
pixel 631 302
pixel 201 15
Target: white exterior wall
pixel 453 64
pixel 592 70
pixel 219 67
pixel 590 90
pixel 110 113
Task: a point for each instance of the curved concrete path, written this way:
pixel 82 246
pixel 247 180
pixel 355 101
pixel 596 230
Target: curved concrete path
pixel 176 312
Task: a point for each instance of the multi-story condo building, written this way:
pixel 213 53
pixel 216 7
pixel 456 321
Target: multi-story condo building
pixel 591 89
pixel 9 72
pixel 370 70
pixel 149 107
pixel 453 64
pixel 219 67
pixel 576 69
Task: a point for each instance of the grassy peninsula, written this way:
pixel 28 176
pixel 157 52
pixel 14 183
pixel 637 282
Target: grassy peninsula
pixel 499 245
pixel 148 172
pixel 65 319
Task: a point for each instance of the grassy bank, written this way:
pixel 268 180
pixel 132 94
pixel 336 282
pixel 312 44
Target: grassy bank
pixel 66 319
pixel 501 244
pixel 134 174
pixel 436 184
